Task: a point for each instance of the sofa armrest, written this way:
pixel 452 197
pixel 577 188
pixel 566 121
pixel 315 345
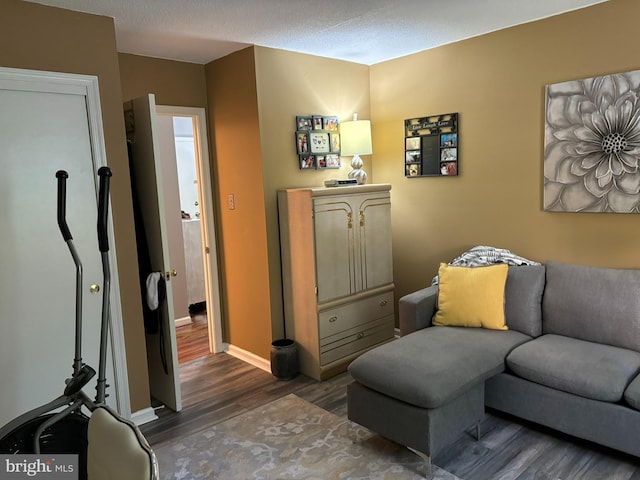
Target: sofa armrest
pixel 416 309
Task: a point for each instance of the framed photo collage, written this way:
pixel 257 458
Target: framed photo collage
pixel 431 146
pixel 317 142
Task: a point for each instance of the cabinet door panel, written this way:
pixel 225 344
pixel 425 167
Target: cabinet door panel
pixel 335 251
pixel 375 241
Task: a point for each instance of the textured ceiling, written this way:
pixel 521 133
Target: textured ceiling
pixel 361 31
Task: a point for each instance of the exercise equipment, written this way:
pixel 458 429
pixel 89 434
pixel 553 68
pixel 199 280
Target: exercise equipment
pixel 60 426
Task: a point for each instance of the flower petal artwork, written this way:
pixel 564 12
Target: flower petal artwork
pixel 592 145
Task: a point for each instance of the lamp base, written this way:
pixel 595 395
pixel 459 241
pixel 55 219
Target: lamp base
pixel 357 173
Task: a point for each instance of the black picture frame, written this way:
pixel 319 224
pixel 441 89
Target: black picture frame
pixel 318 142
pixel 431 146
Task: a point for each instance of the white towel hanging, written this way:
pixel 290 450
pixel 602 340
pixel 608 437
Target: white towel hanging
pixel 152 289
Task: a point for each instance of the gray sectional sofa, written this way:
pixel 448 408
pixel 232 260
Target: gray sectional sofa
pixel 570 360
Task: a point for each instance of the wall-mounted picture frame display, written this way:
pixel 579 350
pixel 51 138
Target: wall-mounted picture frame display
pixel 304 123
pixel 317 142
pixel 431 146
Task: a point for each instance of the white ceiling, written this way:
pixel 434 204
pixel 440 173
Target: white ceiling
pixel 361 31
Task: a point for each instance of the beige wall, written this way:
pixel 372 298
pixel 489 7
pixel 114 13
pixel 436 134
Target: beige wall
pixel 496 82
pixel 44 38
pixel 290 84
pixel 173 83
pixel 237 163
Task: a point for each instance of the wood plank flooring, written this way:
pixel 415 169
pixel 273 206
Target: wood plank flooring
pixel 218 387
pixel 193 339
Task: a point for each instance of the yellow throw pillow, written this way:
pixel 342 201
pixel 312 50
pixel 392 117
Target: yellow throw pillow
pixel 471 296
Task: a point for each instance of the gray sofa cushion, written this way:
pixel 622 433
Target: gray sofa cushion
pixel 632 393
pixel 591 370
pixel 596 304
pixel 431 366
pixel 523 299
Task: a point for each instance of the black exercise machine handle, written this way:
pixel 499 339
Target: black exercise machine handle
pixel 103 208
pixel 62 176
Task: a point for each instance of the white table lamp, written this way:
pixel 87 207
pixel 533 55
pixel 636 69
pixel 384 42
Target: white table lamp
pixel 355 137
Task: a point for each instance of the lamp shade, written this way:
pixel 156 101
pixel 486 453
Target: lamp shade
pixel 355 138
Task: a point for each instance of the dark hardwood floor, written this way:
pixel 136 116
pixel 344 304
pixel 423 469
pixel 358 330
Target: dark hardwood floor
pixel 193 339
pixel 218 387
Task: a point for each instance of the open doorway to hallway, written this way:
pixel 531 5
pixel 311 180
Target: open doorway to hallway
pixel 195 292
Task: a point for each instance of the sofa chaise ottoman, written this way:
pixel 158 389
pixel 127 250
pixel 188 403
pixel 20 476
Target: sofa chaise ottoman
pixel 565 353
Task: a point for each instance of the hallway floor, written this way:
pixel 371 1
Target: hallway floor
pixel 193 339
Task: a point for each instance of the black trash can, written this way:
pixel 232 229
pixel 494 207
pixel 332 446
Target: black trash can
pixel 284 359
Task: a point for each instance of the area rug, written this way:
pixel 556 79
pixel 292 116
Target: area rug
pixel 289 438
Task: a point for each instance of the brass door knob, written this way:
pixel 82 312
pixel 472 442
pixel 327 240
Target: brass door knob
pixel 94 288
pixel 170 274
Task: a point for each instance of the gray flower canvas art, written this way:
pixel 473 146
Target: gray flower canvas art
pixel 592 145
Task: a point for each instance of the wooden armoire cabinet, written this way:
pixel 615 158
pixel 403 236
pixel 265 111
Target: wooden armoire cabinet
pixel 337 273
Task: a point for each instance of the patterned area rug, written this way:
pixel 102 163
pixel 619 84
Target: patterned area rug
pixel 289 438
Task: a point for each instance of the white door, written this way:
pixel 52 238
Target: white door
pixel 46 125
pixel 164 376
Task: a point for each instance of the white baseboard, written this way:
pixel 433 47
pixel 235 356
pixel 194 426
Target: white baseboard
pixel 183 321
pixel 143 416
pixel 250 358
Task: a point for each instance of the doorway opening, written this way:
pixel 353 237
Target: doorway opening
pixel 150 133
pixel 192 247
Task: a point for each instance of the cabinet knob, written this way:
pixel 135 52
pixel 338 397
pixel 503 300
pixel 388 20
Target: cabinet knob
pixel 333 319
pixel 383 303
pixel 360 335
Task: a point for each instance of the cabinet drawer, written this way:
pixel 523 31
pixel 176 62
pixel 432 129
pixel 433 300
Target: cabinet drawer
pixel 356 339
pixel 350 315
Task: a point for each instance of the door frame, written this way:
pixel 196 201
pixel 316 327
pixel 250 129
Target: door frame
pixel 207 217
pixel 87 85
